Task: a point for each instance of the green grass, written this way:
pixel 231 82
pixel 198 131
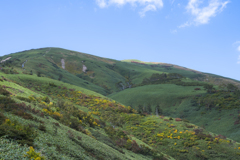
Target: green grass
pixel 165 95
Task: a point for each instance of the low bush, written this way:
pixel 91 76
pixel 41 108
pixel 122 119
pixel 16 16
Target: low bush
pixel 24 99
pixel 52 84
pixel 4 91
pixel 22 134
pixel 46 99
pixel 42 128
pixel 31 154
pixel 23 114
pixel 2 118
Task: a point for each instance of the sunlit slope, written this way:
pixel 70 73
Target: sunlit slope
pixel 100 74
pixel 176 101
pixel 165 95
pixel 60 140
pixel 72 122
pixel 55 137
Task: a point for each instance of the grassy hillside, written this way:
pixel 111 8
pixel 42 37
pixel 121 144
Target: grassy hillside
pixel 177 101
pixel 69 123
pixel 53 105
pixel 165 95
pixel 46 124
pixel 102 75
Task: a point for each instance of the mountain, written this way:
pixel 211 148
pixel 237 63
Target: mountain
pixel 72 105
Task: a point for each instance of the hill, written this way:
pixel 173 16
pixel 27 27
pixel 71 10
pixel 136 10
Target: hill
pixel 72 105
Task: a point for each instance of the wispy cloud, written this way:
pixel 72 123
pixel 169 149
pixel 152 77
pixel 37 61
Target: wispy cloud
pixel 238 59
pixel 173 31
pixel 148 5
pixel 101 3
pixel 172 1
pixel 202 15
pixel 237 43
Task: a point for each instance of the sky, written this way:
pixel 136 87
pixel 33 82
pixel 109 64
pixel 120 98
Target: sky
pixel 199 34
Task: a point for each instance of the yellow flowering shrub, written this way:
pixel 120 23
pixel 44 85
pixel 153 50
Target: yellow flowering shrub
pixel 31 154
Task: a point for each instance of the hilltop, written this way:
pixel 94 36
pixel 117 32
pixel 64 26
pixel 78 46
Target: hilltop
pixel 72 105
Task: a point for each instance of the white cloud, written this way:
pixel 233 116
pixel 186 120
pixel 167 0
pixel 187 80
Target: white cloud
pixel 202 15
pixel 148 5
pixel 237 43
pixel 238 59
pixel 101 3
pixel 186 24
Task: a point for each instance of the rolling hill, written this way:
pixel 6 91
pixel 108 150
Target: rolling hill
pixel 62 104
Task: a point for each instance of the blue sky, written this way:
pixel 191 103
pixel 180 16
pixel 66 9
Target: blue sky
pixel 199 34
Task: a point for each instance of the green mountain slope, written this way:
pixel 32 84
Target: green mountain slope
pixel 40 114
pixel 55 101
pixel 101 75
pixel 177 101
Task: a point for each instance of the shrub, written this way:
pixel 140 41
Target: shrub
pixel 52 84
pixel 197 89
pixel 31 154
pixel 135 148
pixel 42 128
pixel 110 131
pixel 170 118
pixel 145 150
pixel 24 99
pixel 197 131
pixel 178 119
pixel 74 123
pixel 70 134
pixel 204 136
pixel 159 157
pixel 2 118
pixel 121 142
pixel 46 99
pixel 39 74
pixel 14 130
pixel 4 91
pixel 23 114
pixel 236 122
pixel 189 126
pixel 56 124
